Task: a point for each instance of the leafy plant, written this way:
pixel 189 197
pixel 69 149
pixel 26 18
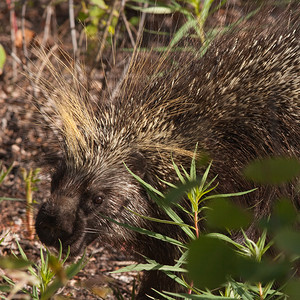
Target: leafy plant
pixel 36 280
pixel 213 265
pixel 196 13
pixel 95 15
pixel 3 175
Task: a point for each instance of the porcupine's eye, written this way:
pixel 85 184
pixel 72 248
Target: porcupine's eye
pixel 98 199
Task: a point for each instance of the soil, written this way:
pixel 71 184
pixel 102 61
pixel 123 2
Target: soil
pixel 23 141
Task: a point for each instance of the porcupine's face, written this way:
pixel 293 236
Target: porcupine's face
pixel 81 203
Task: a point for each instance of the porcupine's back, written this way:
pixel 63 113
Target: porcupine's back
pixel 239 101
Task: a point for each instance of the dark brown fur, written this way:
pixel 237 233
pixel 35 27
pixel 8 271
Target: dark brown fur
pixel 239 102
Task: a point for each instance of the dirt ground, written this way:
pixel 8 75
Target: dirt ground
pixel 23 141
pixel 21 144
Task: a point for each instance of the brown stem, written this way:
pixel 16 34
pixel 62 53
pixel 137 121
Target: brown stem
pixel 196 224
pixel 29 208
pixel 260 291
pixel 23 32
pixel 13 30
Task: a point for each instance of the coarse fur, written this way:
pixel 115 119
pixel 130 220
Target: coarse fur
pixel 238 102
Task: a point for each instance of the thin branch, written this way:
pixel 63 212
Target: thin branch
pixel 24 3
pixel 13 30
pixel 82 38
pixel 49 12
pixel 127 24
pixel 142 23
pixel 72 26
pixel 105 34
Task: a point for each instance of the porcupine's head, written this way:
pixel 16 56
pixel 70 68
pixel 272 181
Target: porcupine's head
pixel 90 184
pixel 82 198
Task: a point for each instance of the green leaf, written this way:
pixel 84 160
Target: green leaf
pixel 210 261
pixel 14 263
pixel 228 195
pixel 292 289
pixel 100 3
pixel 158 197
pixel 148 233
pixel 285 211
pixel 70 272
pixel 4 288
pixel 157 10
pixel 2 173
pixel 241 290
pixel 146 185
pixel 111 30
pixel 181 178
pixel 10 199
pixel 157 220
pixel 222 214
pixel 202 297
pixel 176 194
pixel 2 58
pixel 264 271
pixel 91 30
pixel 96 13
pixel 205 10
pixel 82 16
pixel 183 31
pixel 225 238
pixel 284 215
pixel 150 267
pixel 288 241
pixel 273 170
pixel 134 21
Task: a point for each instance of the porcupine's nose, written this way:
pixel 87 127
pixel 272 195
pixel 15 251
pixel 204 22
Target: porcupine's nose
pixel 51 226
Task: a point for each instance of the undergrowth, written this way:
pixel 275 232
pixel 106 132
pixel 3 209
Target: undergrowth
pixel 247 271
pixel 213 264
pixel 23 278
pixel 39 281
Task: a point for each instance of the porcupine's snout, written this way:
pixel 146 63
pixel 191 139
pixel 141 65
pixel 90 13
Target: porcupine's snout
pixel 50 226
pixel 55 225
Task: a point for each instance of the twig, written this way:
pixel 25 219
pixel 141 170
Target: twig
pixel 24 2
pixel 72 26
pixel 30 179
pixel 13 30
pixel 17 60
pixel 142 23
pixel 261 294
pixel 29 210
pixel 82 37
pixel 127 24
pixel 49 12
pixel 100 52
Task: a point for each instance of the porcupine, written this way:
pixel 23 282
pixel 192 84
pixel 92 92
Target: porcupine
pixel 238 102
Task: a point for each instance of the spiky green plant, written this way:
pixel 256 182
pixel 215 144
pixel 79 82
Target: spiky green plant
pixel 38 281
pixel 246 260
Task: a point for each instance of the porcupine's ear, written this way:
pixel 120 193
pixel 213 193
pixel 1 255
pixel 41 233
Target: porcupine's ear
pixel 138 164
